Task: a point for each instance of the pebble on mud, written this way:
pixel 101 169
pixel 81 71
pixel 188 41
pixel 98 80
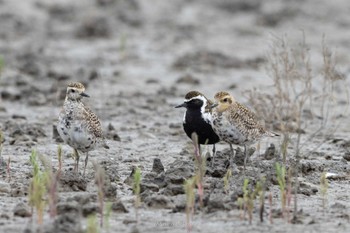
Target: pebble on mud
pixel 188 79
pixel 218 172
pixel 215 203
pixel 83 198
pixel 346 156
pixel 238 5
pixel 307 167
pixel 159 202
pixel 5 188
pixel 90 208
pixel 157 166
pixel 73 182
pixel 270 152
pixel 68 207
pixel 173 190
pixel 94 27
pixel 21 210
pixel 119 207
pixel 240 155
pixel 112 134
pixel 145 185
pixel 64 223
pixel 307 188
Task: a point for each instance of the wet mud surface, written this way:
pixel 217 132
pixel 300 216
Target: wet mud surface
pixel 137 60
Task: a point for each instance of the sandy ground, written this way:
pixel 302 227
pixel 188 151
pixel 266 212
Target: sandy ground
pixel 138 59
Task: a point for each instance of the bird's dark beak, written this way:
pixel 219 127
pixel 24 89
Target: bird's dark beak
pixel 181 105
pixel 84 94
pixel 213 105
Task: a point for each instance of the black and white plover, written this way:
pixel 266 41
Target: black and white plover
pixel 197 119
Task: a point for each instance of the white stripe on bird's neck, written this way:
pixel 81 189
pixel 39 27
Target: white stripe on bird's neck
pixel 205 115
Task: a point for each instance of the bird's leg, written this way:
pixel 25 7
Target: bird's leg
pixel 245 156
pixel 231 157
pixel 76 157
pixel 214 152
pixel 86 161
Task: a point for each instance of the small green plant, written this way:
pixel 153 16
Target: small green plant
pixel 240 203
pixel 289 194
pixel 8 169
pixel 108 214
pixel 281 178
pixel 100 182
pixel 92 226
pixel 189 187
pixel 59 157
pixel 137 190
pixel 247 201
pixel 37 189
pixel 2 64
pixel 51 183
pixel 227 180
pixel 324 189
pixel 284 146
pixel 122 46
pixel 43 184
pixel 299 88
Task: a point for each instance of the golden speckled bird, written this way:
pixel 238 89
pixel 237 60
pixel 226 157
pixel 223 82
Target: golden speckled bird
pixel 235 123
pixel 78 126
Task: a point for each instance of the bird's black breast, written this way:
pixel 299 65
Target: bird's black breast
pixel 194 123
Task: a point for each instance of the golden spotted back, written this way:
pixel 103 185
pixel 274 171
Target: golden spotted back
pixel 76 85
pixel 94 125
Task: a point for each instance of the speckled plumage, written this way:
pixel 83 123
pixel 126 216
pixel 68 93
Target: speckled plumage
pixel 235 123
pixel 78 125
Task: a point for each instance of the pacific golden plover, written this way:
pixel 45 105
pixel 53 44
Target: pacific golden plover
pixel 197 119
pixel 235 123
pixel 78 126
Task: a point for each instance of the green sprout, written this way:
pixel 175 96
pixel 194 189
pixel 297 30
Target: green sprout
pixel 37 189
pixel 2 63
pixel 137 190
pixel 189 187
pixel 226 180
pixel 92 226
pixel 324 188
pixel 248 199
pixel 281 178
pixel 108 214
pixel 59 156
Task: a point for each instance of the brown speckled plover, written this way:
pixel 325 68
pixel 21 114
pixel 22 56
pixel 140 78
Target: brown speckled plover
pixel 78 126
pixel 236 124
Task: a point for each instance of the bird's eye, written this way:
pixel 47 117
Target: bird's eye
pixel 225 100
pixel 73 90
